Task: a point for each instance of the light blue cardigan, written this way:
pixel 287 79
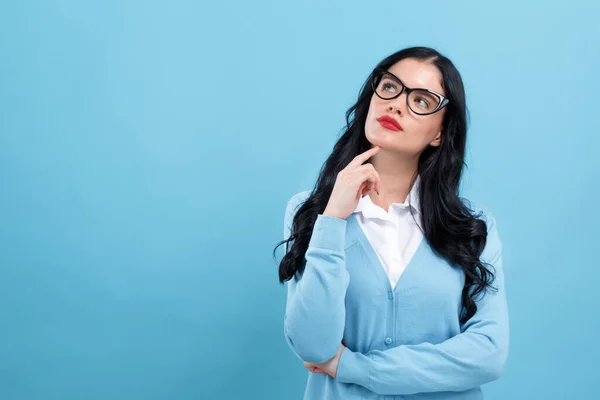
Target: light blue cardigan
pixel 405 343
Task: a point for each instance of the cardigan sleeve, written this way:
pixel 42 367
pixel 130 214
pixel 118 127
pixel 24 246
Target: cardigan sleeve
pixel 315 311
pixel 471 358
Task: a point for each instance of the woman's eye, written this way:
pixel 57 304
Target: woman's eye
pixel 388 85
pixel 422 102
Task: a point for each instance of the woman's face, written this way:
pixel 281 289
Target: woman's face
pixel 418 131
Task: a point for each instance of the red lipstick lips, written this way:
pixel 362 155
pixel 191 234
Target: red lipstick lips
pixel 389 123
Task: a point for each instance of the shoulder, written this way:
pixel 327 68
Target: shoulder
pixel 481 211
pixel 493 245
pixel 292 206
pixel 297 199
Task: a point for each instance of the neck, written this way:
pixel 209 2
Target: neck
pixel 395 173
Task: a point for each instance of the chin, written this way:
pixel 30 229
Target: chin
pixel 383 138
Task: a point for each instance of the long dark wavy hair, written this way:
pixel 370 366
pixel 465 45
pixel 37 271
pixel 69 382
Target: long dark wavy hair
pixel 451 228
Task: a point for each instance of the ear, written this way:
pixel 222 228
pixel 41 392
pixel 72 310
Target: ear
pixel 437 141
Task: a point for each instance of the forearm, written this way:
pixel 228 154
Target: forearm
pixel 315 312
pixel 463 362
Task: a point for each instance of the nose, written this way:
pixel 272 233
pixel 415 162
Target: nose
pixel 398 104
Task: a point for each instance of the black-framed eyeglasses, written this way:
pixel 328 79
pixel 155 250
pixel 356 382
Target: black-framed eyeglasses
pixel 388 86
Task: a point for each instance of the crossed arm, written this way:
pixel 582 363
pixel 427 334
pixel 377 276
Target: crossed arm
pixel 315 319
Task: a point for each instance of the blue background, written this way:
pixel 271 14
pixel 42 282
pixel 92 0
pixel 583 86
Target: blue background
pixel 148 149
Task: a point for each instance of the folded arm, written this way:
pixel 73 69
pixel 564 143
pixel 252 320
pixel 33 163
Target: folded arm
pixel 473 357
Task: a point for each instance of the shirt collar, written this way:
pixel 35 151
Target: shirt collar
pixel 369 209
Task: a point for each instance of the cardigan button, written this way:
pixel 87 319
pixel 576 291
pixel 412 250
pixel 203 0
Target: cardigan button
pixel 388 340
pixel 390 295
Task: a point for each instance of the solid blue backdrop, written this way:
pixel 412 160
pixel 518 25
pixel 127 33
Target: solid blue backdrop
pixel 148 149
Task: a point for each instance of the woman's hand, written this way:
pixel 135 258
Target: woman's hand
pixel 328 367
pixel 351 183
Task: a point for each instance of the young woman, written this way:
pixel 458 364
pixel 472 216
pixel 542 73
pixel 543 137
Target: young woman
pixel 395 283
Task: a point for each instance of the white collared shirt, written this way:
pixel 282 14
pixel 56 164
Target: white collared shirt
pixel 394 235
